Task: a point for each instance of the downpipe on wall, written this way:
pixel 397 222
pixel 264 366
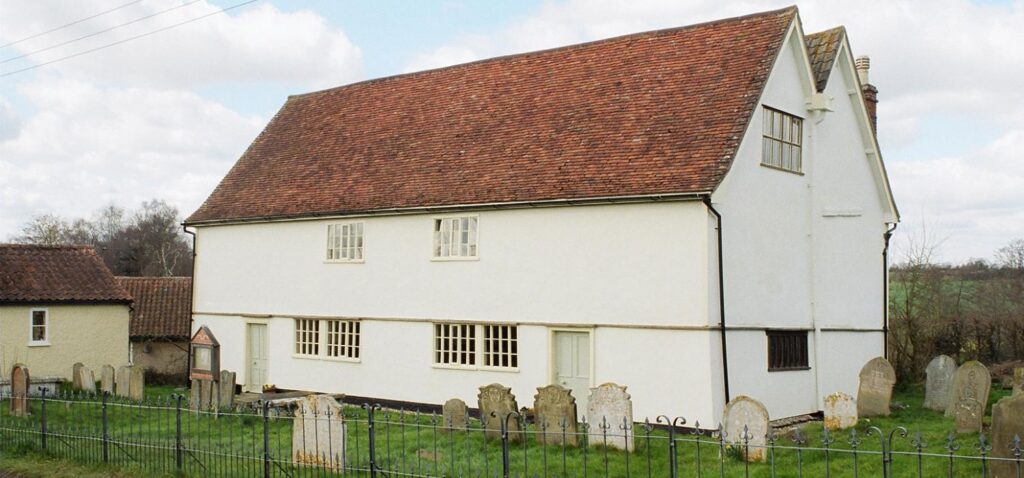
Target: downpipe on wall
pixel 721 297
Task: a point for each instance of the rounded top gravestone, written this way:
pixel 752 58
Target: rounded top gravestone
pixel 971 386
pixel 745 422
pixel 877 378
pixel 940 373
pixel 609 408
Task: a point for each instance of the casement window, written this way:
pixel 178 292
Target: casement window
pixel 342 338
pixel 345 242
pixel 327 338
pixel 39 327
pixel 455 237
pixel 787 350
pixel 307 337
pixel 781 143
pixel 456 345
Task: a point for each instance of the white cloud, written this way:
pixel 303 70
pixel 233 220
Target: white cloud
pixel 10 123
pixel 253 44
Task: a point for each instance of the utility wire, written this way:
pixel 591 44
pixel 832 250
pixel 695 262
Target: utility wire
pixel 105 30
pixel 136 37
pixel 76 22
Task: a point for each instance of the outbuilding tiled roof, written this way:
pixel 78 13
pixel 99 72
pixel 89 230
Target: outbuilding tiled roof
pixel 652 113
pixel 822 48
pixel 50 274
pixel 162 308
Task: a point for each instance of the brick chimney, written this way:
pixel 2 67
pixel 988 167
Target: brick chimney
pixel 863 64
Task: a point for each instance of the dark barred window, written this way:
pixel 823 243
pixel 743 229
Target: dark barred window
pixel 787 350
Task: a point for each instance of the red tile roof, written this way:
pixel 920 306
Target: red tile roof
pixel 659 112
pixel 32 273
pixel 162 308
pixel 822 48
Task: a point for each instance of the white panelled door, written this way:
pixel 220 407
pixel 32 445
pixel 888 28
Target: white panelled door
pixel 572 365
pixel 257 360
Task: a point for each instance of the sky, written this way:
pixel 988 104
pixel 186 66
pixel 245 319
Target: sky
pixel 165 115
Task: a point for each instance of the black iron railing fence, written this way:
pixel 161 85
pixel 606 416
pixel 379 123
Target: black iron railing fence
pixel 164 436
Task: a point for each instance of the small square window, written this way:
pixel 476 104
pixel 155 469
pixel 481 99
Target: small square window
pixel 345 242
pixel 787 350
pixel 455 237
pixel 455 344
pixel 342 338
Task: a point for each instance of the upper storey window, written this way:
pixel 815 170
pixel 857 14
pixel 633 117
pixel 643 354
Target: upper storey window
pixel 345 242
pixel 455 237
pixel 781 145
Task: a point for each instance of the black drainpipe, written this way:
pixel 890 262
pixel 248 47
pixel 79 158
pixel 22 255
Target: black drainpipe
pixel 885 292
pixel 191 302
pixel 721 298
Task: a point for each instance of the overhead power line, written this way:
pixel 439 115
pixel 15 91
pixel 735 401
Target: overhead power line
pixel 136 37
pixel 76 22
pixel 105 30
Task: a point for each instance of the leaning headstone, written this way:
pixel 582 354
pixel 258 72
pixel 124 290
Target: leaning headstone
pixel 940 373
pixel 555 411
pixel 453 414
pixel 88 380
pixel 318 433
pixel 122 380
pixel 1018 380
pixel 137 384
pixel 226 395
pixel 107 379
pixel 971 386
pixel 19 390
pixel 496 404
pixel 877 378
pixel 840 411
pixel 76 377
pixel 608 409
pixel 745 423
pixel 1007 422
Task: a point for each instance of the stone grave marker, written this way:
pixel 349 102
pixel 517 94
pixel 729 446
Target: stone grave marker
pixel 968 415
pixel 318 434
pixel 88 380
pixel 555 409
pixel 206 394
pixel 877 378
pixel 137 384
pixel 840 411
pixel 226 395
pixel 107 379
pixel 122 380
pixel 1018 380
pixel 971 386
pixel 194 393
pixel 1007 422
pixel 453 414
pixel 19 390
pixel 610 407
pixel 496 402
pixel 76 377
pixel 741 412
pixel 940 373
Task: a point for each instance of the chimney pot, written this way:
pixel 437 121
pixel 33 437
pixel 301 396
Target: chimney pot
pixel 863 64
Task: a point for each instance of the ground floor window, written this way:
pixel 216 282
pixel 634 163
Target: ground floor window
pixel 307 337
pixel 330 338
pixel 787 350
pixel 342 338
pixel 458 345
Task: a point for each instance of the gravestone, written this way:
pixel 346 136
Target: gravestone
pixel 137 383
pixel 76 377
pixel 205 394
pixel 107 379
pixel 19 390
pixel 496 402
pixel 318 434
pixel 1007 421
pixel 454 413
pixel 968 415
pixel 609 408
pixel 226 395
pixel 555 410
pixel 876 381
pixel 1018 380
pixel 971 386
pixel 88 380
pixel 840 411
pixel 194 393
pixel 122 380
pixel 745 422
pixel 940 373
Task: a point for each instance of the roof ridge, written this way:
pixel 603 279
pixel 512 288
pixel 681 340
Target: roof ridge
pixel 792 9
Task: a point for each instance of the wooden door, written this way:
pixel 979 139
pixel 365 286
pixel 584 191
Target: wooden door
pixel 572 365
pixel 256 375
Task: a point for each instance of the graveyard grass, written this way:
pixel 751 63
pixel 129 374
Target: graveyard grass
pixel 416 451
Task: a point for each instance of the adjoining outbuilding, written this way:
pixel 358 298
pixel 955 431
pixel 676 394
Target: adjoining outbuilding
pixel 160 326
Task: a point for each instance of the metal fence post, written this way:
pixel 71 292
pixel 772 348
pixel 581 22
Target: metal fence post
pixel 178 458
pixel 371 439
pixel 266 439
pixel 106 439
pixel 42 417
pixel 504 446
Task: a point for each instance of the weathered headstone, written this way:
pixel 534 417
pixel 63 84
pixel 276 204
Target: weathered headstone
pixel 137 384
pixel 968 415
pixel 745 422
pixel 1007 422
pixel 122 380
pixel 940 373
pixel 496 404
pixel 609 408
pixel 19 390
pixel 1018 380
pixel 877 378
pixel 555 410
pixel 205 394
pixel 76 377
pixel 971 386
pixel 840 411
pixel 107 379
pixel 318 434
pixel 453 414
pixel 194 393
pixel 88 380
pixel 226 395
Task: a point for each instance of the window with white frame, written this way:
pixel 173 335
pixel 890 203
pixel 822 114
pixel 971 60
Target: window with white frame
pixel 342 338
pixel 345 242
pixel 781 144
pixel 307 337
pixel 501 346
pixel 455 237
pixel 39 327
pixel 456 345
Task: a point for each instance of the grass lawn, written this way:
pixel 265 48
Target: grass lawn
pixel 142 441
